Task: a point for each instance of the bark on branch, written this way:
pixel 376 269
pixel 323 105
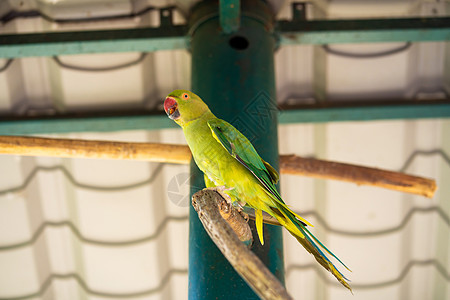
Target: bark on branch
pixel 295 165
pixel 32 146
pixel 180 154
pixel 244 261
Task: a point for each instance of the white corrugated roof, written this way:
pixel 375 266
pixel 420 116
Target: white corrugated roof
pixel 91 229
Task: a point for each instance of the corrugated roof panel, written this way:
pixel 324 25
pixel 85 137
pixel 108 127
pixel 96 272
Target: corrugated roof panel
pixel 387 238
pixel 96 229
pixel 376 232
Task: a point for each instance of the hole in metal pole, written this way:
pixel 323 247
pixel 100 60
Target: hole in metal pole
pixel 238 43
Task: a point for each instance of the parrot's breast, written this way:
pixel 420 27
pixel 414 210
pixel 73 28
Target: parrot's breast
pixel 221 168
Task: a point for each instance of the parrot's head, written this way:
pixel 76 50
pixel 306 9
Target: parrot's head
pixel 184 106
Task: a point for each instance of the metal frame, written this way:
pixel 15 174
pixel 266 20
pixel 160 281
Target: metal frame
pixel 319 32
pixel 141 120
pixel 165 37
pixel 169 36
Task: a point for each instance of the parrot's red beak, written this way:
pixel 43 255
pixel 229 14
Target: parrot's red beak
pixel 171 108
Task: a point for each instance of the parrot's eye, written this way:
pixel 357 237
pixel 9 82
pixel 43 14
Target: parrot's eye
pixel 185 96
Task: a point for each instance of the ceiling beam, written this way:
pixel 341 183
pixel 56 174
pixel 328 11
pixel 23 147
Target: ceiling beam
pixel 170 37
pixel 141 120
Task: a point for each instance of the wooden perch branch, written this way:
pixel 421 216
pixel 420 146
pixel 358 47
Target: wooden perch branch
pixel 295 165
pixel 245 262
pixel 31 146
pixel 235 220
pixel 180 154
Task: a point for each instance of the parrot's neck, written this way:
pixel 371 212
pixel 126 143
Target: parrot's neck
pixel 203 118
pixel 197 131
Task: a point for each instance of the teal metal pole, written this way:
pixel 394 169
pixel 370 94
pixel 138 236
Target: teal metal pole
pixel 234 74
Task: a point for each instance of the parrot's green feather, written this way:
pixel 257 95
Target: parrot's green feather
pixel 272 172
pixel 229 160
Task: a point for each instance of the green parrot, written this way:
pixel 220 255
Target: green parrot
pixel 232 166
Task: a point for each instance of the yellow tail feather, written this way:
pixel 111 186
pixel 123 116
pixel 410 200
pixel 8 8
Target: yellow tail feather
pixel 259 225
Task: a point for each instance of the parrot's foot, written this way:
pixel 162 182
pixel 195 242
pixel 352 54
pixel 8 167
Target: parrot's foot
pixel 244 215
pixel 221 190
pixel 239 205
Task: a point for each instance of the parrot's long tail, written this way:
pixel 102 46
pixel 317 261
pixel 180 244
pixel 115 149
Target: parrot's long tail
pixel 296 226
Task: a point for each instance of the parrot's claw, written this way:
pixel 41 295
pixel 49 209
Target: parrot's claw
pixel 244 215
pixel 238 205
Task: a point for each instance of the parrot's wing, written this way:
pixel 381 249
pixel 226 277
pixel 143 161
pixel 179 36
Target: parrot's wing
pixel 239 147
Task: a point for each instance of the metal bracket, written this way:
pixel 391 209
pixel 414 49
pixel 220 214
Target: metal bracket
pixel 166 16
pixel 299 11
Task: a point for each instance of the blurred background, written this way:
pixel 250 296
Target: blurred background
pixel 102 229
